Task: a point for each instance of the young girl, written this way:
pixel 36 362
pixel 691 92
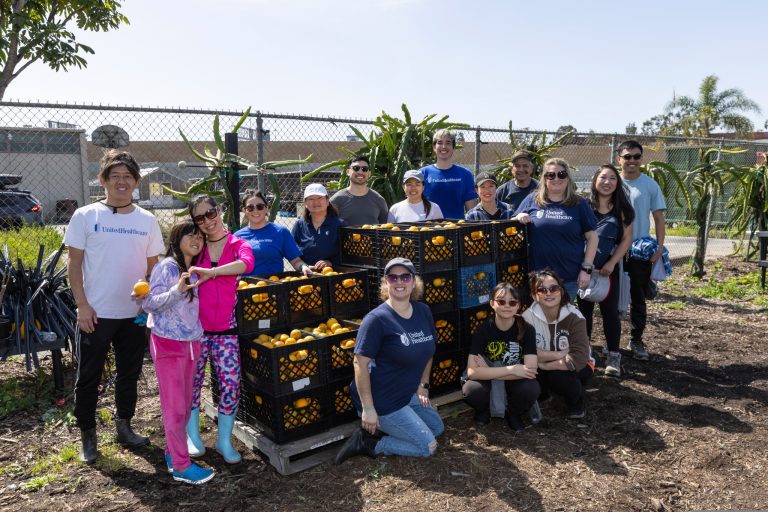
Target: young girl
pixel 614 233
pixel 565 362
pixel 172 305
pixel 502 362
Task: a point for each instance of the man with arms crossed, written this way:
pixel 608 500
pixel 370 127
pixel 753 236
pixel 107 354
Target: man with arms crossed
pixel 112 244
pixel 647 200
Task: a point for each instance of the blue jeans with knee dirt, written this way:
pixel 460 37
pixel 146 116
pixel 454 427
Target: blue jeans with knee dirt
pixel 411 430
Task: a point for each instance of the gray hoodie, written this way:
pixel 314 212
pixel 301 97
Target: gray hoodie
pixel 568 332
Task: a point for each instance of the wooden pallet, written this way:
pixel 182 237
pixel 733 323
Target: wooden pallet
pixel 295 456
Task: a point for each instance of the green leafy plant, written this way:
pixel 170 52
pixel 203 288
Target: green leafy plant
pixel 749 204
pixel 539 145
pixel 224 170
pixel 25 243
pixel 392 147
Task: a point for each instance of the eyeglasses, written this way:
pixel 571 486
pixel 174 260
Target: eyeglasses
pixel 403 278
pixel 559 174
pixel 360 168
pixel 543 290
pixel 251 207
pixel 209 214
pixel 502 302
pixel 632 156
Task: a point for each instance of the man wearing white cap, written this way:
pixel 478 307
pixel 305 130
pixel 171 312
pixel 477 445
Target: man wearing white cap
pixel 317 233
pixel 415 207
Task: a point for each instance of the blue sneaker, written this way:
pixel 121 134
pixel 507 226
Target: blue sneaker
pixel 194 475
pixel 168 463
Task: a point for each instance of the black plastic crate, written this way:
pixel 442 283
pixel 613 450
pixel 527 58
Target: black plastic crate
pixel 446 372
pixel 259 307
pixel 448 328
pixel 471 318
pixel 475 284
pixel 440 290
pixel 342 409
pixel 516 272
pixel 510 240
pixel 339 350
pixel 358 246
pixel 289 417
pixel 349 291
pixel 432 250
pixel 284 369
pixel 475 243
pixel 303 300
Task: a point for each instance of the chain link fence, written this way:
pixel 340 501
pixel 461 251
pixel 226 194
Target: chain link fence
pixel 49 157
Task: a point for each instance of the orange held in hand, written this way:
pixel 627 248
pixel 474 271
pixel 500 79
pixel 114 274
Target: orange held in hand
pixel 141 288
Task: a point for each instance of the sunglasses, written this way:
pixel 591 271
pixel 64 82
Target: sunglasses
pixel 360 168
pixel 251 207
pixel 543 290
pixel 209 214
pixel 403 278
pixel 502 302
pixel 559 174
pixel 633 156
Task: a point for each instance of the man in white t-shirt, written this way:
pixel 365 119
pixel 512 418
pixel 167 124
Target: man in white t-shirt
pixel 112 244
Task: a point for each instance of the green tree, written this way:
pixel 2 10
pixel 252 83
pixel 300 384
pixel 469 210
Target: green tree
pixel 712 110
pixel 41 30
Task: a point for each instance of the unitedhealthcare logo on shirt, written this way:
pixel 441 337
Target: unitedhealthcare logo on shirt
pixel 432 179
pixel 404 339
pixel 119 231
pixel 415 338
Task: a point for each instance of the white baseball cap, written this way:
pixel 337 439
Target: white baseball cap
pixel 315 189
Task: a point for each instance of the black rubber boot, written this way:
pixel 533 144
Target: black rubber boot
pixel 126 436
pixel 90 451
pixel 359 443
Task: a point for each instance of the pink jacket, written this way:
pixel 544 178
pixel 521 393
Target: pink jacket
pixel 218 297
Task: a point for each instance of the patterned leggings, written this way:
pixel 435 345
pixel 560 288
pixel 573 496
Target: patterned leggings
pixel 224 353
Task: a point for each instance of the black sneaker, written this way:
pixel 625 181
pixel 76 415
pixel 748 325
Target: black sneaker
pixel 515 422
pixel 482 417
pixel 576 412
pixel 638 350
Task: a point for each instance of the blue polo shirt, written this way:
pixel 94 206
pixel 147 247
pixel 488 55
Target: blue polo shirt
pixel 399 349
pixel 270 245
pixel 322 244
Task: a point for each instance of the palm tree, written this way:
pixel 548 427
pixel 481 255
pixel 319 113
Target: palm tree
pixel 712 109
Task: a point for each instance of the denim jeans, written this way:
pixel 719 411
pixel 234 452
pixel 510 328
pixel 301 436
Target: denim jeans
pixel 411 431
pixel 572 287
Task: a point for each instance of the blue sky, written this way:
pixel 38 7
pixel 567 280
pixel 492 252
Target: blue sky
pixel 596 65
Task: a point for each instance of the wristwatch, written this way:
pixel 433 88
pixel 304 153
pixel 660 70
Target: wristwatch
pixel 424 385
pixel 588 270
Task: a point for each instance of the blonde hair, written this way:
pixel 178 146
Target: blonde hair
pixel 416 293
pixel 571 196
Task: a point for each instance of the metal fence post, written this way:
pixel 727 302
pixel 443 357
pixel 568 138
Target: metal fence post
pixel 231 146
pixel 478 142
pixel 612 157
pixel 260 150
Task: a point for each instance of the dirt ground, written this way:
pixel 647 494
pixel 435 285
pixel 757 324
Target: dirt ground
pixel 684 431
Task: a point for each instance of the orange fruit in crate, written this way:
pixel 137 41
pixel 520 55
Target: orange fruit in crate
pixel 242 284
pixel 356 237
pixel 329 322
pixel 480 275
pixel 513 268
pixel 413 228
pixel 438 281
pixel 261 283
pixel 260 297
pixel 295 334
pixel 481 315
pixel 439 324
pixel 366 226
pixel 254 354
pixel 425 228
pixel 476 235
pixel 141 288
pixel 512 230
pixel 348 283
pixel 290 341
pixel 446 363
pixel 396 240
pixel 302 402
pixel 347 344
pixel 274 278
pixel 326 270
pixel 258 399
pixel 305 289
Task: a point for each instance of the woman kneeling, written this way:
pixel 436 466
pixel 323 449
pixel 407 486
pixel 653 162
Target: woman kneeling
pixel 393 360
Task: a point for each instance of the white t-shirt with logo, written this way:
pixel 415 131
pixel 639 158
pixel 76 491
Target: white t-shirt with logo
pixel 413 212
pixel 116 249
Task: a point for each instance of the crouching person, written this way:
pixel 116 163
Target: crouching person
pixel 393 359
pixel 502 364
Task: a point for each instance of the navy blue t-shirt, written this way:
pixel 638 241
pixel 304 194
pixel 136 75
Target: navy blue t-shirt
pixel 556 235
pixel 322 244
pixel 400 349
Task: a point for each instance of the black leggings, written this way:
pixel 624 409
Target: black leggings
pixel 521 394
pixel 568 384
pixel 639 280
pixel 609 309
pixel 128 340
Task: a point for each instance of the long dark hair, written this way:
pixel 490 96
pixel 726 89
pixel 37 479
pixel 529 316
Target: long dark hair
pixel 201 199
pixel 331 211
pixel 511 291
pixel 622 208
pixel 537 278
pixel 178 231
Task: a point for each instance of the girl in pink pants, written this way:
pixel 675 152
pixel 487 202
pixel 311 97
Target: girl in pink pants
pixel 173 306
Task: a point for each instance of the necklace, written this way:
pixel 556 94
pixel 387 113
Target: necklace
pixel 115 208
pixel 218 239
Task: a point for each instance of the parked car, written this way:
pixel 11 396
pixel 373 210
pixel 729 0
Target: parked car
pixel 18 208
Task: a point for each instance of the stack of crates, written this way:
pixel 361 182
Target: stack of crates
pixel 460 262
pixel 296 350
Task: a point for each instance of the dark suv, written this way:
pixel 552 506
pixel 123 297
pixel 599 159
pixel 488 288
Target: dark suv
pixel 18 207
